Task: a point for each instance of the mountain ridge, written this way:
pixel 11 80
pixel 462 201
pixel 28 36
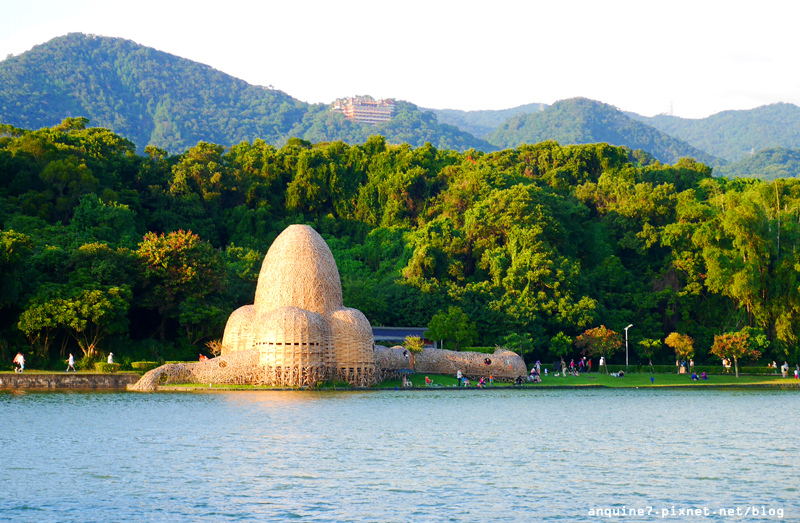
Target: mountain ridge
pixel 582 121
pixel 156 98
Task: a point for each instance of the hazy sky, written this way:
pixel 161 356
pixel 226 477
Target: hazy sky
pixel 698 57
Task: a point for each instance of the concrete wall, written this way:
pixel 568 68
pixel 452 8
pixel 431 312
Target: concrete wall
pixel 40 380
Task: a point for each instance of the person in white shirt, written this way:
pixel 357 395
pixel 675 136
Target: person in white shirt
pixel 71 363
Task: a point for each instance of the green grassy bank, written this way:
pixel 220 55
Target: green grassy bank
pixel 584 380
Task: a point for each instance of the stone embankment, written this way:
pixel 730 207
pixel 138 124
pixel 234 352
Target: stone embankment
pixel 79 381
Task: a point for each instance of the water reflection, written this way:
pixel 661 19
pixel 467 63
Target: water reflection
pixel 393 456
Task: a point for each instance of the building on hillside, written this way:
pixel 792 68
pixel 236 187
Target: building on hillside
pixel 365 109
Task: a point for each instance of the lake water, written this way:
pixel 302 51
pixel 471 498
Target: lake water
pixel 500 455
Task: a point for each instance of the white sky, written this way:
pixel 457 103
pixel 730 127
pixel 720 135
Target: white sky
pixel 697 56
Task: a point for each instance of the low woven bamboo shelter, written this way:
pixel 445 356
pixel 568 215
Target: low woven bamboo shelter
pixel 298 323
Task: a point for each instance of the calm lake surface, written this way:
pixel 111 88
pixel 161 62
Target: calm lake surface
pixel 500 455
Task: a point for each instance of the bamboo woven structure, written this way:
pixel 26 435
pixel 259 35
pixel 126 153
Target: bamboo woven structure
pixel 239 330
pixel 294 345
pixel 240 368
pixel 298 323
pixel 299 271
pixel 504 364
pixel 353 357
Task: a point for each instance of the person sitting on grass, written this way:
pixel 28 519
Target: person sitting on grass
pixel 428 381
pixel 519 381
pixel 694 376
pixel 703 376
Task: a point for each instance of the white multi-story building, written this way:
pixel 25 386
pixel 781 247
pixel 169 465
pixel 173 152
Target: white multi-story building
pixel 365 109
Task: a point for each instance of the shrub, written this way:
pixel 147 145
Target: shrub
pixel 144 366
pixel 101 366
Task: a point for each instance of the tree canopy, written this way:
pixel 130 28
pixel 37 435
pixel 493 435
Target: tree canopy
pixel 527 243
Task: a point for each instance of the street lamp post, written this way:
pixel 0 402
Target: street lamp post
pixel 626 345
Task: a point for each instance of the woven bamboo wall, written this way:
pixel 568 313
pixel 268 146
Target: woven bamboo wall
pixel 240 368
pixel 239 330
pixel 294 345
pixel 505 365
pixel 353 356
pixel 391 359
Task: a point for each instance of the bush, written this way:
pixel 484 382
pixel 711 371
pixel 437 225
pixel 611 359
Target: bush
pixel 87 363
pixel 144 366
pixel 102 366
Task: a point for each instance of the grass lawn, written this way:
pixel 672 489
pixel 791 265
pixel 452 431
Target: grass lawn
pixel 584 380
pixel 629 380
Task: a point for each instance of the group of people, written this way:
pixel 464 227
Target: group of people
pixel 785 370
pixel 703 376
pixel 19 361
pixel 575 369
pixel 463 381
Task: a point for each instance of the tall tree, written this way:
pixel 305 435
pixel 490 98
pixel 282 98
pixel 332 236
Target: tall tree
pixel 599 341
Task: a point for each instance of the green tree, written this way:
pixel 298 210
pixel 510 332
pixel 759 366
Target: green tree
pixel 178 266
pixel 561 345
pixel 647 348
pixel 453 326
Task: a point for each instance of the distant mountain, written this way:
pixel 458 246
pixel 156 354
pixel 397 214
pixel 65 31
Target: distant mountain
pixel 734 135
pixel 768 164
pixel 155 98
pixel 483 123
pixel 581 121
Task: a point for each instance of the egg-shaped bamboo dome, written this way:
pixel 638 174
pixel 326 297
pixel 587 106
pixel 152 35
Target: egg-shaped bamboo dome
pixel 299 271
pixel 291 336
pixel 238 333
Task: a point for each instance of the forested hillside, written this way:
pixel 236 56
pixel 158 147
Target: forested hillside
pixel 769 164
pixel 155 98
pixel 734 135
pixel 483 123
pixel 583 121
pixel 96 250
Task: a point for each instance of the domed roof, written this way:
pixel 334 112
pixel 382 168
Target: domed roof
pixel 299 271
pixel 291 325
pixel 238 333
pixel 352 323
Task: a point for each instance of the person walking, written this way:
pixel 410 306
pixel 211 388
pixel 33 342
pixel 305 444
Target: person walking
pixel 19 360
pixel 458 377
pixel 71 363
